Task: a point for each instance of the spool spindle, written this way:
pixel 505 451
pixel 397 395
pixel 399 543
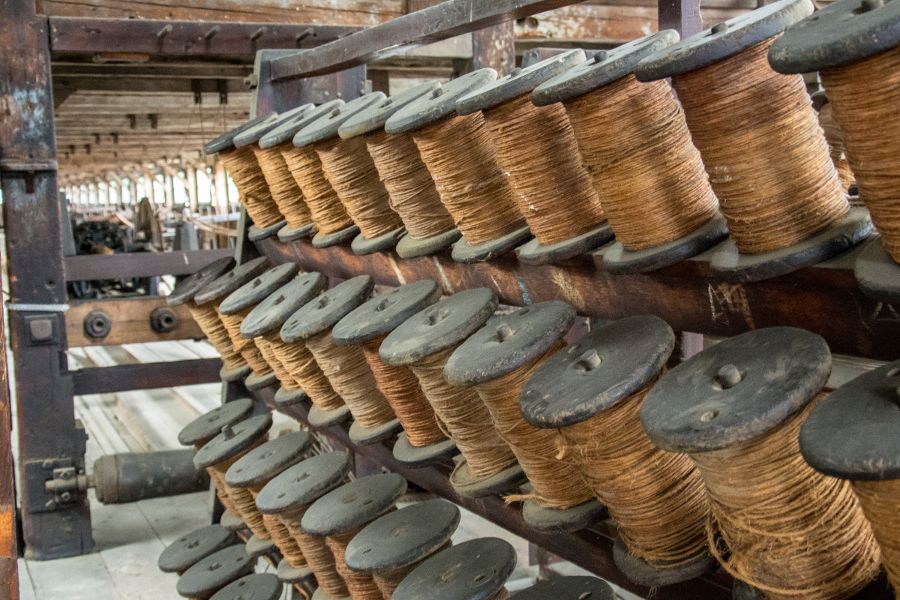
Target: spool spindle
pixel 591 393
pixel 855 47
pixel 413 195
pixel 214 572
pixel 258 586
pixel 496 361
pixel 423 343
pixel 193 547
pixel 263 325
pixel 766 156
pixel 340 514
pixel 542 169
pixel 353 176
pixel 463 164
pixel 637 147
pixel 235 308
pixel 736 410
pixel 473 570
pixel 344 366
pixel 572 587
pixel 423 441
pixel 290 494
pixel 854 435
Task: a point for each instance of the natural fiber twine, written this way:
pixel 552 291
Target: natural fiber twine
pixel 207 318
pixel 324 205
pixel 361 585
pixel 251 183
pixel 835 138
pixel 304 369
pixel 317 553
pixel 880 501
pixel 246 347
pixel 283 188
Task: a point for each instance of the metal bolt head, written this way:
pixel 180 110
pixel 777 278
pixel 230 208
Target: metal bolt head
pixel 729 376
pixel 66 496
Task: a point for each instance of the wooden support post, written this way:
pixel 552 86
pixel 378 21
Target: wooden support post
pixel 9 547
pixel 495 47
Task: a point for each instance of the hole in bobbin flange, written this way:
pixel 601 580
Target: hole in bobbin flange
pixel 588 361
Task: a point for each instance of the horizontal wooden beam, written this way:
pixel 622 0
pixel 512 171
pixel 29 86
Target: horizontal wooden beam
pixel 129 321
pixel 824 299
pixel 145 376
pixel 139 264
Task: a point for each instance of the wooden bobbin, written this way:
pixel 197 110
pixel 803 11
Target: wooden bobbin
pixel 433 108
pixel 474 570
pixel 370 123
pixel 256 468
pixel 605 69
pixel 392 545
pixel 342 512
pixel 509 343
pixel 725 403
pixel 439 329
pixel 239 303
pixel 212 294
pixel 373 321
pixel 264 322
pixel 322 134
pixel 854 434
pixel 259 586
pixel 315 321
pixel 704 50
pixel 290 493
pixel 214 572
pixel 846 39
pixel 559 176
pixel 218 454
pixel 191 548
pixel 606 368
pixel 573 587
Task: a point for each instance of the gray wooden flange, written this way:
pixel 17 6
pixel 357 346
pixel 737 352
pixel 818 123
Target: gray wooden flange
pixel 362 246
pixel 209 425
pixel 353 505
pixel 573 587
pixel 423 456
pixel 468 485
pixel 289 234
pixel 187 550
pixel 402 538
pixel 214 572
pixel 383 313
pixel 327 126
pixel 535 253
pixel 260 586
pixel 257 547
pixel 465 252
pixel 285 397
pixel 256 234
pixel 226 283
pixel 185 289
pixel 321 594
pixel 255 382
pixel 373 118
pixel 327 240
pixel 234 374
pixel 410 247
pixel 366 436
pixel 231 521
pixel 616 259
pixel 744 591
pixel 257 289
pixel 877 274
pixel 225 141
pixel 268 460
pixel 576 518
pixel 286 130
pixel 729 264
pixel 303 483
pixel 650 575
pixel 474 570
pixel 323 312
pixel 233 440
pixel 271 313
pixel 252 135
pixel 327 418
pixel 291 575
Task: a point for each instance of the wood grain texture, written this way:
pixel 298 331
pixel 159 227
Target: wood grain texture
pixel 130 322
pixel 9 582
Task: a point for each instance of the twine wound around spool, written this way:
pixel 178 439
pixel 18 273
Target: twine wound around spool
pixel 317 553
pixel 209 322
pixel 248 349
pixel 251 183
pixel 302 365
pixel 284 541
pixel 361 585
pixel 282 187
pixel 879 501
pixel 324 205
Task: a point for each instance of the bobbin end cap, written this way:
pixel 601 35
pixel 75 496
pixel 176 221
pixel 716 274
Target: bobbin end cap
pixel 474 570
pixel 374 117
pixel 439 103
pixel 353 505
pixel 233 440
pixel 321 313
pixel 518 82
pixel 605 67
pixel 303 483
pixel 232 280
pixel 257 289
pixel 573 587
pixel 209 425
pixel 287 129
pixel 385 312
pixel 508 342
pixel 723 40
pixel 258 586
pixel 328 124
pixel 854 433
pixel 185 289
pixel 214 572
pixel 181 554
pixel 268 460
pixel 606 366
pixel 225 141
pixel 438 327
pixel 737 390
pixel 253 134
pixel 272 312
pixel 840 34
pixel 403 537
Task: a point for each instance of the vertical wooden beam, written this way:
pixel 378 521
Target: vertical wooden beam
pixel 681 15
pixel 495 47
pixel 9 547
